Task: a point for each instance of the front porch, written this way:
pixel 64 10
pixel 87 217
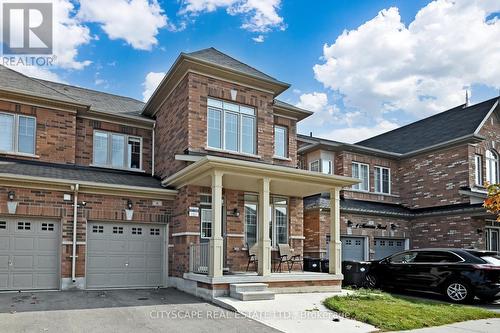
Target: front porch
pixel 252 206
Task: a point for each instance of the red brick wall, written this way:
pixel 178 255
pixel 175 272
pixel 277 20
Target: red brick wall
pixel 55 132
pixel 85 136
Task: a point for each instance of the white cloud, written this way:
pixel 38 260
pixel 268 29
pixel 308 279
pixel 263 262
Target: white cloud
pixel 38 72
pixel 258 39
pixel 324 112
pixel 422 68
pixel 259 15
pixel 357 133
pixel 150 83
pixel 135 21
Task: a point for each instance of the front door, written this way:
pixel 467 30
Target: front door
pixel 492 239
pixel 206 228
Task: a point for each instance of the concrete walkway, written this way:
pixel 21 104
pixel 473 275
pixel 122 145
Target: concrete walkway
pixel 473 326
pixel 296 313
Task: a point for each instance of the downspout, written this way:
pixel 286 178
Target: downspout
pixel 153 151
pixel 75 218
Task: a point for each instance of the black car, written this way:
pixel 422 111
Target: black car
pixel 458 274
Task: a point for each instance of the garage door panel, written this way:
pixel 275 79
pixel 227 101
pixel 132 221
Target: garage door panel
pixel 47 262
pixel 136 247
pixel 23 280
pixel 4 242
pixel 4 262
pixel 24 243
pixel 45 280
pixel 47 244
pixel 23 262
pixel 4 280
pixel 353 248
pixel 385 247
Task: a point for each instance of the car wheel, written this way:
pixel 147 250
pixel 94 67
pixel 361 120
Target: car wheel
pixel 458 292
pixel 371 281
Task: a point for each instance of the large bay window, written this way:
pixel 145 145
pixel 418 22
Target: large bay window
pixel 117 150
pixel 492 172
pixel 17 134
pixel 382 179
pixel 231 127
pixel 361 172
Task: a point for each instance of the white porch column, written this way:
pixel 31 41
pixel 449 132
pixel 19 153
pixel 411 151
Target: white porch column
pixel 264 242
pixel 216 243
pixel 335 265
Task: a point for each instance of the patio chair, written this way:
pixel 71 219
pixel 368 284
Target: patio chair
pixel 253 254
pixel 286 256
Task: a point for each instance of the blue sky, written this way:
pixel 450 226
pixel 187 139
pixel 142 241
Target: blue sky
pixel 388 69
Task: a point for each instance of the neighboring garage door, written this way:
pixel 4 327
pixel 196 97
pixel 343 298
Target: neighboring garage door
pixel 384 247
pixel 353 248
pixel 29 256
pixel 124 255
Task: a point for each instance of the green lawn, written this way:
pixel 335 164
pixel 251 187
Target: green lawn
pixel 392 313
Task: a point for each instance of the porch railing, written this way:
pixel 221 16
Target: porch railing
pixel 198 258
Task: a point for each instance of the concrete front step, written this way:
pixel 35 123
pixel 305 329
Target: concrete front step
pixel 240 287
pixel 250 291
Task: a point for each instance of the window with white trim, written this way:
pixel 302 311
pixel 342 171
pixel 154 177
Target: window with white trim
pixel 326 167
pixel 119 151
pixel 251 215
pixel 492 167
pixel 478 170
pixel 17 133
pixel 382 179
pixel 280 141
pixel 361 172
pixel 314 166
pixel 231 127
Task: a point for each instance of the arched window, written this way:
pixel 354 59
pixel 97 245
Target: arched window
pixel 492 167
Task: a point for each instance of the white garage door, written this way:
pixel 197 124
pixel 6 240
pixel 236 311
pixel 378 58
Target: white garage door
pixel 29 256
pixel 384 247
pixel 124 255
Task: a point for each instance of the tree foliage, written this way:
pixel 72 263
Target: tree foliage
pixel 492 202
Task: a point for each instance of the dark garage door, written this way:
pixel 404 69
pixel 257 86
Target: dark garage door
pixel 29 256
pixel 353 248
pixel 384 247
pixel 124 255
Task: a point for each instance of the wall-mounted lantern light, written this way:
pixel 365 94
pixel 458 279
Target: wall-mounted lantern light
pixel 11 195
pixel 236 213
pixel 129 204
pixel 129 212
pixel 11 204
pixel 349 223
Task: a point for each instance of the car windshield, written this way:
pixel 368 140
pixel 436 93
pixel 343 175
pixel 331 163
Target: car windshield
pixel 493 260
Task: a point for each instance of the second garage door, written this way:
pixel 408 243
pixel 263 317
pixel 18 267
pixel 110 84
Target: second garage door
pixel 124 255
pixel 384 247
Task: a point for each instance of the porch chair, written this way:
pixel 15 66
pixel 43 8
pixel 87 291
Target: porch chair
pixel 253 254
pixel 286 256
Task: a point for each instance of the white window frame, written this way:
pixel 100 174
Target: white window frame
pixel 379 169
pixel 492 166
pixel 285 141
pixel 330 166
pixel 311 164
pixel 478 170
pixel 15 133
pixel 223 111
pixel 126 162
pixel 256 203
pixel 273 205
pixel 356 187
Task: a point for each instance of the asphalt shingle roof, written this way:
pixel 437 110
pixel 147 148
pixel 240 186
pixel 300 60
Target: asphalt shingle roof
pixel 76 173
pixel 216 57
pixel 442 127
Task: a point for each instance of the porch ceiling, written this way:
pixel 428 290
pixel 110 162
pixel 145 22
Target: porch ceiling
pixel 244 176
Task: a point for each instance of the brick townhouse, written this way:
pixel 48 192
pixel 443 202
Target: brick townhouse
pixel 197 187
pixel 104 191
pixel 422 185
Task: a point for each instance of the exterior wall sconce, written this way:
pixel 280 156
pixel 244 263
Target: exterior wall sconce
pixel 11 204
pixel 479 231
pixel 349 223
pixel 129 212
pixel 235 212
pixel 234 93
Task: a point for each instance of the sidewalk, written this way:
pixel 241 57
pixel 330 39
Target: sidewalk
pixel 296 313
pixel 473 326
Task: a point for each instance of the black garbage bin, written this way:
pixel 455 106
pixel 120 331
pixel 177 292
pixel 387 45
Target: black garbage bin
pixel 355 273
pixel 324 265
pixel 312 264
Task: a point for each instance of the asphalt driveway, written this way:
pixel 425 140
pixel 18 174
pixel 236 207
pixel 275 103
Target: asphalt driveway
pixel 158 310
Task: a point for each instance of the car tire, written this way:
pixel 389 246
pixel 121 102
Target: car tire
pixel 458 291
pixel 371 281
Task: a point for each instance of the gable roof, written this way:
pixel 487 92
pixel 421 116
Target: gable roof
pixel 457 123
pixel 13 81
pixel 216 57
pixel 98 100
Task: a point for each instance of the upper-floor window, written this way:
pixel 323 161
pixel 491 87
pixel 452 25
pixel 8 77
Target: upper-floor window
pixel 117 150
pixel 17 134
pixel 382 179
pixel 326 167
pixel 478 170
pixel 314 166
pixel 492 167
pixel 231 127
pixel 280 141
pixel 361 171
